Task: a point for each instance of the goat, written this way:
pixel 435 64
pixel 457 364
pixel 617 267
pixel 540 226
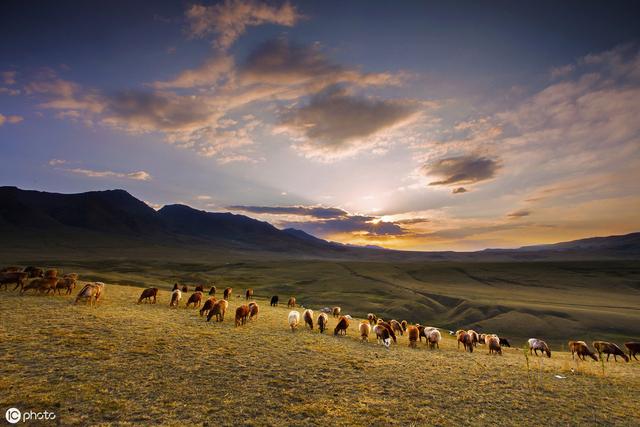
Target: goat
pixel 609 348
pixel 536 345
pixel 218 309
pixel 195 299
pixel 207 306
pixel 147 294
pixel 581 349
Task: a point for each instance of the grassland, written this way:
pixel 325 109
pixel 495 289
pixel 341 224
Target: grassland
pixel 121 363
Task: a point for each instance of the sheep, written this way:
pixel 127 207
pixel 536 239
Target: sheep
pixel 494 345
pixel 274 301
pixel 466 340
pixel 382 335
pixel 341 327
pixel 505 342
pixel 413 333
pixel 199 288
pixel 389 328
pixel 213 290
pixel 421 332
pixel 91 292
pixel 481 338
pixel 323 321
pixel 609 348
pixel 41 285
pixel 253 310
pixel 176 296
pixel 434 337
pixel 242 313
pixel 536 345
pixel 185 289
pixel 397 327
pixel 373 320
pixel 10 277
pixel 227 293
pixel 294 319
pixel 308 318
pixel 404 325
pixel 67 283
pixel 474 337
pixel 292 302
pixel 634 348
pixel 12 269
pixel 336 311
pixel 365 330
pixel 175 287
pixel 147 294
pixel 218 309
pixel 51 273
pixel 195 299
pixel 34 272
pixel 581 349
pixel 248 295
pixel 207 306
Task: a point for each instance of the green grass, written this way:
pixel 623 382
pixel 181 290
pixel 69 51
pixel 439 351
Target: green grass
pixel 122 363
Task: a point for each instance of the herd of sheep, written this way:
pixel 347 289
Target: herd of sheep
pixel 47 281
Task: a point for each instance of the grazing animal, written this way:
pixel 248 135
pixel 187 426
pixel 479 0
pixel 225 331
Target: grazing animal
pixel 323 320
pixel 634 348
pixel 294 319
pixel 397 327
pixel 474 337
pixel 227 293
pixel 382 335
pixel 413 333
pixel 494 345
pixel 365 330
pixel 219 309
pixel 147 294
pixel 91 292
pixel 422 332
pixel 41 285
pixel 609 348
pixel 536 345
pixel 581 349
pixel 404 325
pixel 336 311
pixel 12 269
pixel 466 340
pixel 185 288
pixel 504 342
pixel 248 295
pixel 242 313
pixel 389 328
pixel 253 311
pixel 274 301
pixel 434 337
pixel 481 338
pixel 195 299
pixel 372 319
pixel 176 296
pixel 207 306
pixel 51 273
pixel 175 287
pixel 308 318
pixel 34 272
pixel 10 277
pixel 67 283
pixel 292 302
pixel 341 327
pixel 212 291
pixel 199 288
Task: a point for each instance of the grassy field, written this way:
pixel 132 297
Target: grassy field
pixel 122 363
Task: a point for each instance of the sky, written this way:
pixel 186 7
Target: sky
pixel 409 125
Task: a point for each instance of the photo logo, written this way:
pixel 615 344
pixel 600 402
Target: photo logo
pixel 13 415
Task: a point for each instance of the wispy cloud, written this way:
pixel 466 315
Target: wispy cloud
pixel 136 176
pixel 12 119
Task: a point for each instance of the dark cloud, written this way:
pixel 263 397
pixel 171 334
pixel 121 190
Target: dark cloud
pixel 519 214
pixel 462 170
pixel 459 190
pixel 351 224
pixel 411 221
pixel 313 211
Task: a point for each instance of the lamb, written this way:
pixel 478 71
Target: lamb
pixel 365 330
pixel 207 306
pixel 176 296
pixel 248 295
pixel 634 348
pixel 397 327
pixel 434 337
pixel 292 302
pixel 294 319
pixel 382 334
pixel 413 333
pixel 341 327
pixel 609 348
pixel 494 345
pixel 308 318
pixel 195 299
pixel 581 349
pixel 536 345
pixel 253 310
pixel 242 313
pixel 274 301
pixel 336 311
pixel 147 294
pixel 323 321
pixel 218 309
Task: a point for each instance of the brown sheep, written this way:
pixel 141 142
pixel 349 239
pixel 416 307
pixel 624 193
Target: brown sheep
pixel 11 277
pixel 397 327
pixel 341 327
pixel 422 332
pixel 34 272
pixel 634 348
pixel 388 327
pixel 41 285
pixel 73 276
pixel 175 287
pixel 207 306
pixel 176 296
pixel 227 293
pixel 212 291
pixel 307 316
pixel 609 348
pixel 481 338
pixel 474 337
pixel 365 330
pixel 248 295
pixel 373 320
pixel 242 313
pixel 147 294
pixel 292 302
pixel 336 311
pixel 404 325
pixel 185 289
pixel 253 310
pixel 494 345
pixel 581 349
pixel 382 334
pixel 12 269
pixel 195 299
pixel 323 321
pixel 413 333
pixel 51 273
pixel 91 292
pixel 219 309
pixel 66 283
pixel 199 288
pixel 466 340
pixel 274 301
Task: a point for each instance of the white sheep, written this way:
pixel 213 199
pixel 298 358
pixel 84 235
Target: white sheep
pixel 294 319
pixel 434 337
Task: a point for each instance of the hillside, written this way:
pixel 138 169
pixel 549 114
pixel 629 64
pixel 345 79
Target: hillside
pixel 123 363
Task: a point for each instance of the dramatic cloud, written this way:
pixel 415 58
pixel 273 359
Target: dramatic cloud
pixel 362 225
pixel 229 19
pixel 335 123
pixel 208 74
pixel 461 170
pixel 313 211
pixel 13 119
pixel 519 214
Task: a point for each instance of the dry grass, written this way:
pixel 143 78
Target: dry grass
pixel 122 363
